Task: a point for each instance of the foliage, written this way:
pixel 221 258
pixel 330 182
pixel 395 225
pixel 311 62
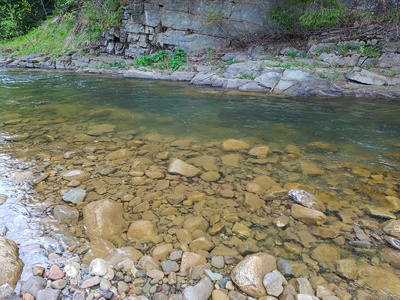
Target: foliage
pixel 229 62
pixel 292 15
pixel 100 15
pixel 143 61
pixel 371 51
pixel 214 16
pixel 292 53
pixel 391 74
pixel 48 38
pixel 177 59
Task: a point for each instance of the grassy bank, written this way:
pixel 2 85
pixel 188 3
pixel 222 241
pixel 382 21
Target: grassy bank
pixel 53 37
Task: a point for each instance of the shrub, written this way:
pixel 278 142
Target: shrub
pixel 294 15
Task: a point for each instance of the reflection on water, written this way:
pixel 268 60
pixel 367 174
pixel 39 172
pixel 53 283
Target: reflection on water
pixel 53 122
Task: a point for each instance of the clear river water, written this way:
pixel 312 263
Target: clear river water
pixel 346 151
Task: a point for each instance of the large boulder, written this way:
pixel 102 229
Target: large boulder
pixel 366 77
pixel 10 263
pixel 103 219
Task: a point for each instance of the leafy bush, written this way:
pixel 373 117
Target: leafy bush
pixel 143 61
pixel 292 15
pixel 177 59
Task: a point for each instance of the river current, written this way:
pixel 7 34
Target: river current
pixel 344 151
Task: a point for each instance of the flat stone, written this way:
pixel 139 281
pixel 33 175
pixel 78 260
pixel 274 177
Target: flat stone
pixel 210 176
pixel 20 177
pixel 75 175
pixel 169 266
pixel 260 151
pixel 382 281
pixel 319 146
pixel 393 228
pixel 148 263
pixel 179 167
pixel 75 196
pixel 366 77
pixel 88 283
pixel 155 274
pixel 100 129
pixel 379 212
pixel 119 154
pixel 248 274
pixel 66 214
pixel 347 268
pixel 219 295
pixel 218 262
pixel 241 230
pixel 33 285
pixel 307 215
pixel 162 252
pixel 195 223
pixel 48 294
pixel 325 252
pixel 234 145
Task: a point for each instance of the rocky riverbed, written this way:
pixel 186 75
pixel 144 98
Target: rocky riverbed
pixel 361 67
pixel 135 215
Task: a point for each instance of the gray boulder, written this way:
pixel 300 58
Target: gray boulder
pixel 339 60
pixel 366 77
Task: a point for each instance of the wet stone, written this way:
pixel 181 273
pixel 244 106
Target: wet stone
pixel 273 283
pixel 234 145
pixel 3 199
pixel 5 291
pixel 75 175
pixel 307 215
pixel 33 285
pixel 66 214
pixel 179 167
pixel 75 196
pixel 55 273
pixel 48 294
pixel 302 197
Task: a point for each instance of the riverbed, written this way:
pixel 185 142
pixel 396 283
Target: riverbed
pixel 125 134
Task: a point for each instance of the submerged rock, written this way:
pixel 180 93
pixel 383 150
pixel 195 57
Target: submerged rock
pixel 75 175
pixel 307 215
pixel 302 197
pixel 179 167
pixel 103 219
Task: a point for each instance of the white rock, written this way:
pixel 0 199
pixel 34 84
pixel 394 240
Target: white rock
pixel 273 284
pixel 98 267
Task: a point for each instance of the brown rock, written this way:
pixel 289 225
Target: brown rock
pixel 249 273
pixel 78 175
pixel 148 263
pixel 119 154
pixel 210 176
pixel 260 152
pixel 383 282
pixel 307 215
pixel 231 160
pixel 325 252
pixel 55 273
pixel 310 168
pixel 141 230
pixel 393 228
pixel 190 259
pixel 347 268
pixel 321 146
pixel 104 219
pixel 201 243
pixel 122 253
pixel 179 167
pixel 195 223
pixel 99 129
pixel 234 145
pixel 162 252
pixel 10 263
pixel 241 230
pixel 98 248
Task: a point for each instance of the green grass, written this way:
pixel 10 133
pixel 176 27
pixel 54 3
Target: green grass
pixel 50 40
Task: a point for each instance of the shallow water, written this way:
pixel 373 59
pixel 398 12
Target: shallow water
pixel 54 108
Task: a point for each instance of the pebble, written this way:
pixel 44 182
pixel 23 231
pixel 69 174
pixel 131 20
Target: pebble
pixel 55 273
pixel 169 266
pixel 201 291
pixel 213 276
pixel 98 267
pixel 105 284
pixel 75 196
pixel 59 284
pixel 90 282
pixel 218 262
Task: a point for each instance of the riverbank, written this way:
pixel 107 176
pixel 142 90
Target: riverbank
pixel 358 67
